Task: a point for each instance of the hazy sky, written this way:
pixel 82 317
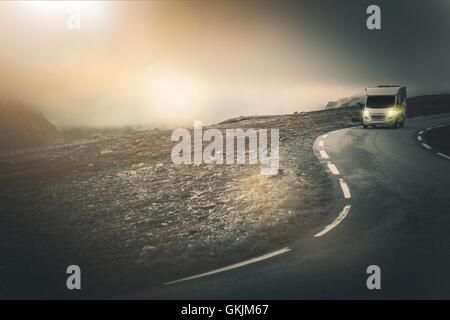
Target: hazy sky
pixel 169 62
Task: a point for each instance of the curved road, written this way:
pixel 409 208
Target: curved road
pixel 399 220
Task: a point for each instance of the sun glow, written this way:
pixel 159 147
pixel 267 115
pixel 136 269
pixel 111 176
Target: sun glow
pixel 172 94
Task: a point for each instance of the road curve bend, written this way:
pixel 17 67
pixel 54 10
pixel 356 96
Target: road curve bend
pixel 393 212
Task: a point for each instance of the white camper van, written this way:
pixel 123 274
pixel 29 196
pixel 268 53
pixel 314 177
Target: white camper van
pixel 385 106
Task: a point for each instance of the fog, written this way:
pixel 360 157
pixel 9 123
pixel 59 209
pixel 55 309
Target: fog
pixel 168 63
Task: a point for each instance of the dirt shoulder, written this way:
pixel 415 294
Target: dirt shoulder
pixel 118 207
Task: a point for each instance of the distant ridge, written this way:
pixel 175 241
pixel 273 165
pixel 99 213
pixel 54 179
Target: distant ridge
pixel 353 101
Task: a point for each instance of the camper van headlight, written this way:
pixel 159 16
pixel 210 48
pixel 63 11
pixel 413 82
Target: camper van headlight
pixel 392 113
pixel 366 114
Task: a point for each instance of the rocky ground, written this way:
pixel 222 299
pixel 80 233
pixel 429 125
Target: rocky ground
pixel 116 205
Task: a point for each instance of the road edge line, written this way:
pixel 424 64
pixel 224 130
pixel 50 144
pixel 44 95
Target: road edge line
pixel 232 266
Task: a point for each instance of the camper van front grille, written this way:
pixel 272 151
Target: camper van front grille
pixel 378 117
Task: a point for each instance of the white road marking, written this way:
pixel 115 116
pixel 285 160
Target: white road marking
pixel 324 154
pixel 333 168
pixel 419 138
pixel 426 146
pixel 233 266
pixel 345 188
pixel 338 220
pixel 321 143
pixel 444 155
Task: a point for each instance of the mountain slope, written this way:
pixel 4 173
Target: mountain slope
pixel 23 127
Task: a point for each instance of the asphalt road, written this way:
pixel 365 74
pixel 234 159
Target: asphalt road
pixel 399 220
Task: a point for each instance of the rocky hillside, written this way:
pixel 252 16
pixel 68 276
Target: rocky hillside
pixel 417 106
pixel 428 104
pixel 22 127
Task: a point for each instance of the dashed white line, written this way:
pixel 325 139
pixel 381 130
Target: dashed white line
pixel 345 188
pixel 233 266
pixel 419 137
pixel 333 168
pixel 338 220
pixel 324 154
pixel 444 155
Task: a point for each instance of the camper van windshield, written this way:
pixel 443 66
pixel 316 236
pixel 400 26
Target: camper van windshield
pixel 378 102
